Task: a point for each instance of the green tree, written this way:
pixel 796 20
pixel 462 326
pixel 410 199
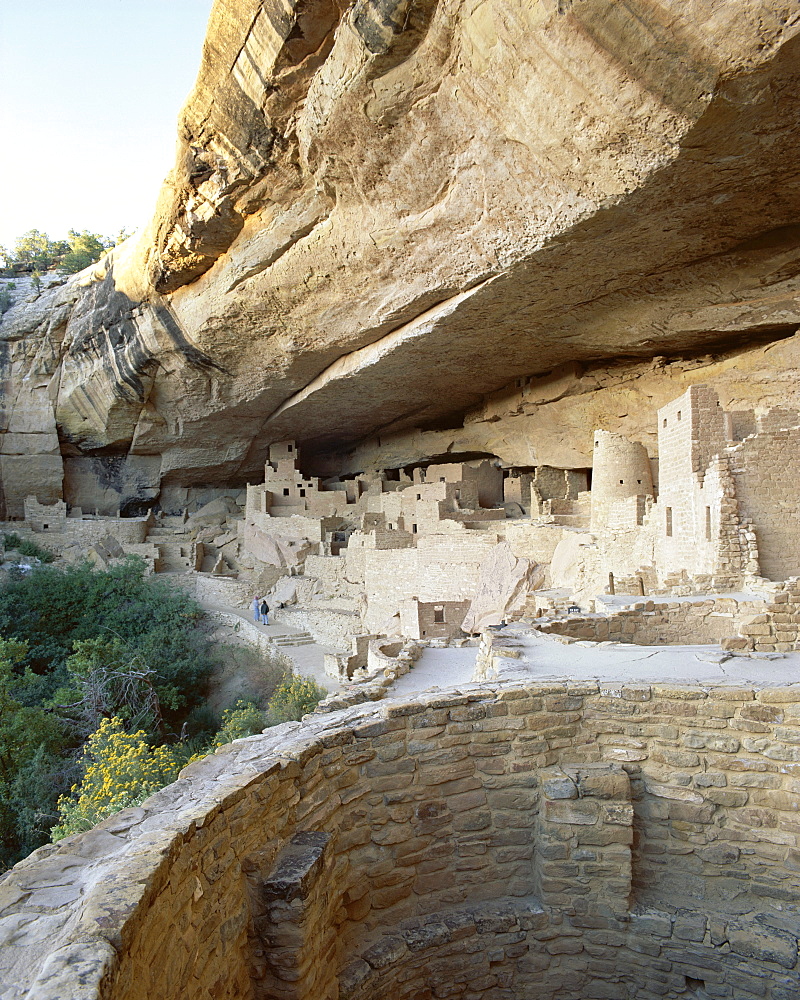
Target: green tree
pixel 107 678
pixel 84 249
pixel 30 744
pixel 37 249
pixel 55 606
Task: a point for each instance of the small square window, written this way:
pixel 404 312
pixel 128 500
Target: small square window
pixel 45 526
pixel 286 491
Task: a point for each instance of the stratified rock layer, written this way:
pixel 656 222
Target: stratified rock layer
pixel 382 211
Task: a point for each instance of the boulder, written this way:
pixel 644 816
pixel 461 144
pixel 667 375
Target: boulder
pixel 504 583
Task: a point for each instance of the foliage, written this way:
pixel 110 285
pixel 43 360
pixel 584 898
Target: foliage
pixel 30 741
pixel 35 251
pixel 26 547
pixel 242 720
pixel 119 770
pixel 106 677
pixel 5 297
pixel 294 697
pixel 84 249
pixel 55 606
pixel 103 678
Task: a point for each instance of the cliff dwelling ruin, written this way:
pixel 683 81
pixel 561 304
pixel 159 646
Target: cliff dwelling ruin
pixel 467 332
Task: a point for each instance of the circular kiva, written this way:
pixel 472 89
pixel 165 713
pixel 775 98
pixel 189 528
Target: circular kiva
pixel 558 841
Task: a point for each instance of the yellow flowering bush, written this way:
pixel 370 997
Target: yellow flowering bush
pixel 119 770
pixel 294 697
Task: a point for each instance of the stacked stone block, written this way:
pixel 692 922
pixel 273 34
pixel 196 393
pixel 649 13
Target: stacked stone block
pixel 766 468
pixel 583 839
pixel 651 623
pixel 775 628
pixel 447 864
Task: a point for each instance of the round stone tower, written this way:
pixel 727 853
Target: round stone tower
pixel 621 468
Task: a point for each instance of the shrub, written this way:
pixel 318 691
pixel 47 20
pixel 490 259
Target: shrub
pixel 30 764
pixel 55 606
pixel 26 547
pixel 119 770
pixel 245 719
pixel 294 697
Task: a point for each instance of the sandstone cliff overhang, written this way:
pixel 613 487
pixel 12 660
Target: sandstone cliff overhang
pixel 381 211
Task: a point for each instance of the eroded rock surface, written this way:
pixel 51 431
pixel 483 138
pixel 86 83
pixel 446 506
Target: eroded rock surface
pixel 382 211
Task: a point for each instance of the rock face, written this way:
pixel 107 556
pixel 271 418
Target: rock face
pixel 383 211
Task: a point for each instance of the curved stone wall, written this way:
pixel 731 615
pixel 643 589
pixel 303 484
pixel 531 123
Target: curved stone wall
pixel 555 841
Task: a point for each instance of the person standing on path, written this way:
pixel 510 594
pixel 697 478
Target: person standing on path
pixel 256 609
pixel 264 612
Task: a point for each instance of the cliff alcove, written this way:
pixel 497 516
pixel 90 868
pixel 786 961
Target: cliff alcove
pixel 451 314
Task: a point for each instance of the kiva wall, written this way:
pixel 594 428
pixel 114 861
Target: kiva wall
pixel 554 841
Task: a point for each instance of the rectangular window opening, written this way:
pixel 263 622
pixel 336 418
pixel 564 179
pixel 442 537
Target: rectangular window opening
pixel 286 491
pixel 438 616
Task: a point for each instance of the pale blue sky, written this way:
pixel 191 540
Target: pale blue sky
pixel 90 92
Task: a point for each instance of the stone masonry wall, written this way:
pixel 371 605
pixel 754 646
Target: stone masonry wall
pixel 776 627
pixel 766 469
pixel 442 567
pixel 651 623
pixel 553 841
pixel 85 532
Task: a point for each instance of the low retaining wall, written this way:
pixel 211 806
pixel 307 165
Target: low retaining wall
pixel 329 627
pixel 469 844
pixel 216 589
pixel 248 632
pixel 656 623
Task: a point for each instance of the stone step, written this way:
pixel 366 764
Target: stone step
pixel 292 639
